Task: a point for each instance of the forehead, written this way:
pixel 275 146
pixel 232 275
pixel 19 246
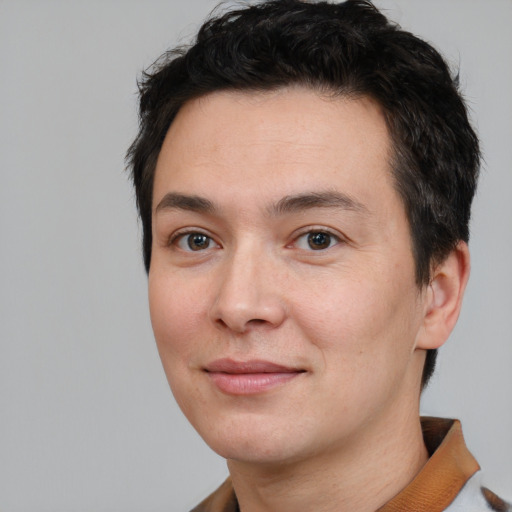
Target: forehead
pixel 275 143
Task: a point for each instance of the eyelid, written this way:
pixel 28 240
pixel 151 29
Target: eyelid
pixel 183 232
pixel 339 237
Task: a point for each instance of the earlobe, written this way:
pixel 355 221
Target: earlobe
pixel 443 298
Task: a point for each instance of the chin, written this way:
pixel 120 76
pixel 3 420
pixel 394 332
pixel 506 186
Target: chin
pixel 247 439
pixel 253 452
pixel 257 441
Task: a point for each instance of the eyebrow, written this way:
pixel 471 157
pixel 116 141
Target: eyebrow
pixel 327 199
pixel 286 205
pixel 174 201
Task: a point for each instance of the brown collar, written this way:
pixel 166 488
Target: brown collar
pixel 450 466
pixel 222 500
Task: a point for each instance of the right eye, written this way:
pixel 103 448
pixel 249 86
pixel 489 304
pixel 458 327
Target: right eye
pixel 194 242
pixel 317 240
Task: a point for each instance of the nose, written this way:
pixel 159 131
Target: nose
pixel 248 294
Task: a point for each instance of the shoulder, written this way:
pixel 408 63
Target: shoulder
pixel 474 497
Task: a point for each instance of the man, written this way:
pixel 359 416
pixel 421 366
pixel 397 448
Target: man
pixel 304 175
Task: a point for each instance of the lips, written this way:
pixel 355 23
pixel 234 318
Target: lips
pixel 249 377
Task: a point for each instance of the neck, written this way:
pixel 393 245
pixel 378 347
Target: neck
pixel 362 475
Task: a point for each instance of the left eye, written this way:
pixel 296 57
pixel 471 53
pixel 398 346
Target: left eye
pixel 316 240
pixel 194 242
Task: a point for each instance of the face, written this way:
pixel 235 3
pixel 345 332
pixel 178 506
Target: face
pixel 281 287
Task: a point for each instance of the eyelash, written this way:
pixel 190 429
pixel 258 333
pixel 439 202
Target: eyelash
pixel 176 238
pixel 333 239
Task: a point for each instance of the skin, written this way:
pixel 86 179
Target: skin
pixel 272 169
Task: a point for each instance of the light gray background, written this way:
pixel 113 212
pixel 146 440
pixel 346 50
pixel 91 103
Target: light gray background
pixel 86 419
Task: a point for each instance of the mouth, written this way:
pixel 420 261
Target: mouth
pixel 249 377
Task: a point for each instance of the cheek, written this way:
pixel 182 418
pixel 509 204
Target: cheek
pixel 363 335
pixel 361 323
pixel 176 310
pixel 342 316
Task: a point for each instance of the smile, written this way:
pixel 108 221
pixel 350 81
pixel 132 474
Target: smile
pixel 250 377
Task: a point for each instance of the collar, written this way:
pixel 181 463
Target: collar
pixel 449 467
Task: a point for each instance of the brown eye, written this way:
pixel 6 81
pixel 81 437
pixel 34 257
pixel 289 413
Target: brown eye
pixel 319 240
pixel 194 242
pixel 198 241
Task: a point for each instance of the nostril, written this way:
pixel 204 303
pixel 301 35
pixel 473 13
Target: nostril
pixel 221 322
pixel 257 321
pixel 237 311
pixel 241 328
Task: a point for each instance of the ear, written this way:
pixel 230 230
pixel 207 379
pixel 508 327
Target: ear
pixel 443 298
